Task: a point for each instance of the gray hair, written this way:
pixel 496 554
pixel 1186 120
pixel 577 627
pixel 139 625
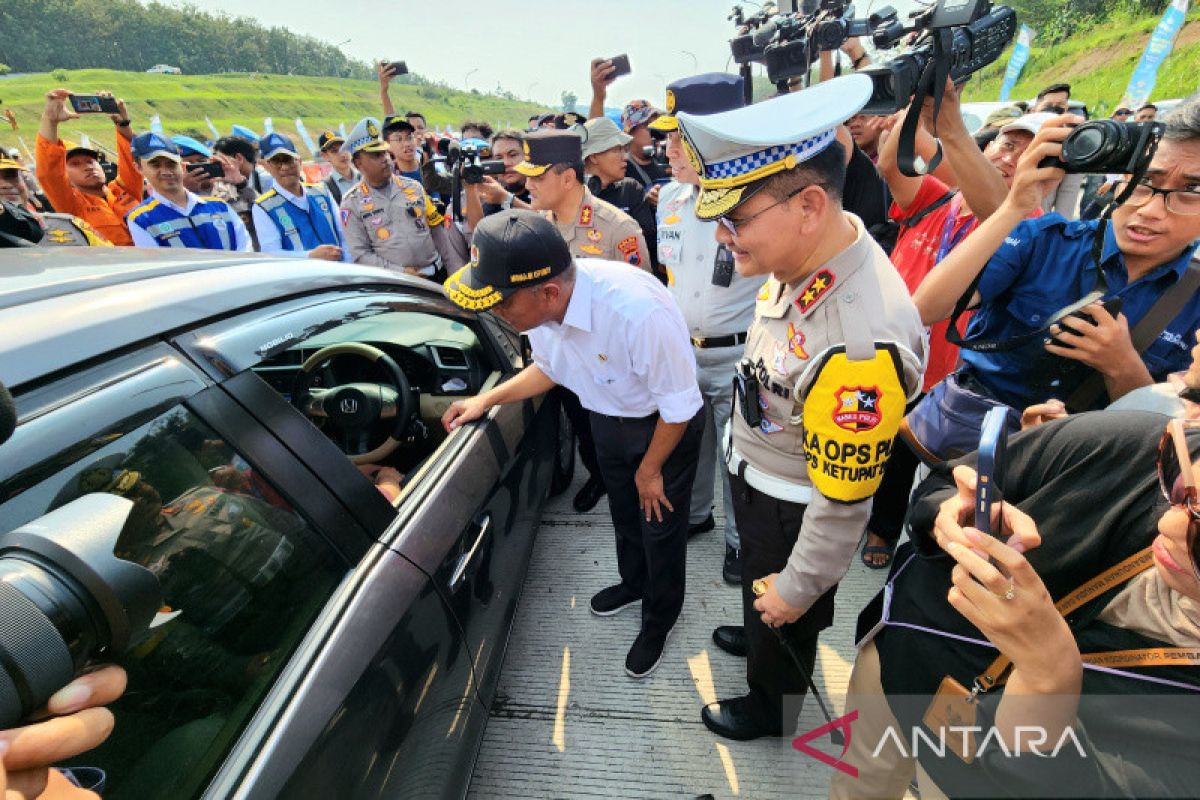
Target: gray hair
pixel 1183 123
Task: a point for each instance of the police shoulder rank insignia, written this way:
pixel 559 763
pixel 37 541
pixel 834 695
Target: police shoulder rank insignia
pixel 595 235
pixel 585 215
pixel 817 288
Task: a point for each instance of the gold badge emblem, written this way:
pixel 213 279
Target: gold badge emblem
pixel 384 234
pixel 670 102
pixel 372 130
pixel 693 157
pixel 525 147
pixel 592 250
pixel 595 235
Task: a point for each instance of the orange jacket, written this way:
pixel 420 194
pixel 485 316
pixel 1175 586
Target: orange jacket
pixel 105 214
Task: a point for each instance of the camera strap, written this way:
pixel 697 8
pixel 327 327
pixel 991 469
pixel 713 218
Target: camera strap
pixel 932 83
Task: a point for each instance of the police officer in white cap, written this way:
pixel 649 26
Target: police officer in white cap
pixel 835 349
pixel 717 302
pixel 390 221
pixel 295 218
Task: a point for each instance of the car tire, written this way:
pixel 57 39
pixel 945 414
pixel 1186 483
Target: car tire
pixel 564 453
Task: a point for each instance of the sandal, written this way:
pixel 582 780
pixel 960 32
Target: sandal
pixel 885 550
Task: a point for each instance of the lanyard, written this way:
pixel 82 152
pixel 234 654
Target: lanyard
pixel 950 236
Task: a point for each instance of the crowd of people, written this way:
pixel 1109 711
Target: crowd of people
pixel 758 299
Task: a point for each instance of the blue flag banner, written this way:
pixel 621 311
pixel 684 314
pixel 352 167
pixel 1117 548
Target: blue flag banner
pixel 268 125
pixel 1016 62
pixel 342 129
pixel 308 142
pixel 1141 83
pixel 156 125
pixel 213 128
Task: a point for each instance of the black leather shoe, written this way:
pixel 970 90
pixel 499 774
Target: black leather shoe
pixel 738 718
pixel 732 570
pixel 607 602
pixel 703 526
pixel 589 495
pixel 731 639
pixel 646 653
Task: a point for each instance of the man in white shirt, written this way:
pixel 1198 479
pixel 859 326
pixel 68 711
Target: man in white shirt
pixel 614 337
pixel 174 217
pixel 294 218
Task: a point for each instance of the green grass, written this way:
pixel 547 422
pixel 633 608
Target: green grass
pixel 182 101
pixel 1098 63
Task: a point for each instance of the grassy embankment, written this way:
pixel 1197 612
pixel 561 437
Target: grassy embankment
pixel 182 101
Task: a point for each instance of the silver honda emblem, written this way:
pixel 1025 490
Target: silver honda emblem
pixel 349 406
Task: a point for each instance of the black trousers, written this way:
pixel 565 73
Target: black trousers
pixel 581 421
pixel 651 556
pixel 769 529
pixel 891 498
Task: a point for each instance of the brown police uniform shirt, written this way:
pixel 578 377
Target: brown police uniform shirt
pixel 601 230
pixel 856 296
pixel 395 227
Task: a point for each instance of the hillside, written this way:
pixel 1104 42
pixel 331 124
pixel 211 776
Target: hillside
pixel 1097 62
pixel 182 101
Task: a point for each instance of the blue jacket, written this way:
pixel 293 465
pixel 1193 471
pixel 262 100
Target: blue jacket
pixel 209 225
pixel 301 231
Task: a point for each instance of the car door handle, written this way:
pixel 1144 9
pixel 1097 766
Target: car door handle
pixel 460 568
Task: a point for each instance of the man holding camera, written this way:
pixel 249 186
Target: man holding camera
pixel 72 178
pixel 835 348
pixel 716 300
pixel 390 221
pixel 1022 273
pixel 295 219
pixel 173 216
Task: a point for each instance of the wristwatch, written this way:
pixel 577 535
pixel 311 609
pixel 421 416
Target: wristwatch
pixel 124 123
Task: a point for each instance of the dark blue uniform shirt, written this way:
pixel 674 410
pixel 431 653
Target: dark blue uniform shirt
pixel 1044 265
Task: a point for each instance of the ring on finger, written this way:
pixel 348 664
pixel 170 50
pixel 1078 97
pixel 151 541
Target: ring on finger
pixel 1011 592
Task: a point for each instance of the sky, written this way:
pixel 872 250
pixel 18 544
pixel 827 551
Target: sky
pixel 534 49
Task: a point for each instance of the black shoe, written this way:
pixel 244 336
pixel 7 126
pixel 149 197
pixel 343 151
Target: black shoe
pixel 732 570
pixel 607 602
pixel 731 639
pixel 738 718
pixel 589 495
pixel 646 653
pixel 703 526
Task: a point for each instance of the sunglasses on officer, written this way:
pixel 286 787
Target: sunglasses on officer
pixel 1177 479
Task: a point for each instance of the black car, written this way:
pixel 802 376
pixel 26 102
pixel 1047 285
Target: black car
pixel 315 638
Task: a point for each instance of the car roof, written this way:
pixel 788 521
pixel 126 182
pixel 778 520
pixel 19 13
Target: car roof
pixel 61 306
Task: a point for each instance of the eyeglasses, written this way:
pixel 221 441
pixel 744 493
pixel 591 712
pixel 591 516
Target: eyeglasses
pixel 1185 202
pixel 403 138
pixel 1177 480
pixel 736 225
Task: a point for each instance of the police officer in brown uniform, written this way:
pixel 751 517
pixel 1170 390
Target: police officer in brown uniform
pixel 390 221
pixel 835 350
pixel 64 230
pixel 554 174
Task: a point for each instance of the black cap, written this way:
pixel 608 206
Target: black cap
pixel 396 123
pixel 512 250
pixel 547 147
pixel 329 137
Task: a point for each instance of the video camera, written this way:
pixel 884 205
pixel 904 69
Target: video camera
pixel 470 159
pixel 977 36
pixel 657 152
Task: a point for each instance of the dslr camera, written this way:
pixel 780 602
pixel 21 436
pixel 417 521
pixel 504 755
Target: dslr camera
pixel 469 160
pixel 1108 146
pixel 979 34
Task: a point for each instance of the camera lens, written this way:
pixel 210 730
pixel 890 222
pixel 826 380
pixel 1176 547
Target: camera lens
pixel 1093 145
pixel 66 598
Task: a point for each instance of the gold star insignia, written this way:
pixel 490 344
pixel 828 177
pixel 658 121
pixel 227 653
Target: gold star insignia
pixel 809 296
pixel 819 283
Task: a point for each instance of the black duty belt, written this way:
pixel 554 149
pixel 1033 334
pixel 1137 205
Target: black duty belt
pixel 719 341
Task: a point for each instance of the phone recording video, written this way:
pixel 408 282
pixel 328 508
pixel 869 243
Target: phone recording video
pixel 620 66
pixel 93 104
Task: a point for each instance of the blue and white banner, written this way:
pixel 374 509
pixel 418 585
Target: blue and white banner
pixel 1016 62
pixel 342 130
pixel 216 133
pixel 156 125
pixel 268 125
pixel 308 142
pixel 1141 83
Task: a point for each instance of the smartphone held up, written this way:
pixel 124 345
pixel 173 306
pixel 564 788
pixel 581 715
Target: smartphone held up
pixel 94 104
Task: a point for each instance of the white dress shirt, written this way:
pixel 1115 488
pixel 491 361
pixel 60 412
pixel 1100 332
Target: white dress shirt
pixel 242 241
pixel 270 240
pixel 622 346
pixel 687 248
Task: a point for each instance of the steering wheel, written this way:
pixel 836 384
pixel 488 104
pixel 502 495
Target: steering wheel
pixel 354 407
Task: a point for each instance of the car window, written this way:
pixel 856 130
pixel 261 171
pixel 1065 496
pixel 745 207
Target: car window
pixel 242 577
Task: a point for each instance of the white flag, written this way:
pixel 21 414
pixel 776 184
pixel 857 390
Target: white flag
pixel 156 125
pixel 342 130
pixel 268 125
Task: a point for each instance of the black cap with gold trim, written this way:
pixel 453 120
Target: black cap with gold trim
pixel 710 93
pixel 734 151
pixel 512 250
pixel 545 148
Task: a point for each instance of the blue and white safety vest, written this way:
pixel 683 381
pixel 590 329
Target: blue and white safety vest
pixel 208 226
pixel 302 230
